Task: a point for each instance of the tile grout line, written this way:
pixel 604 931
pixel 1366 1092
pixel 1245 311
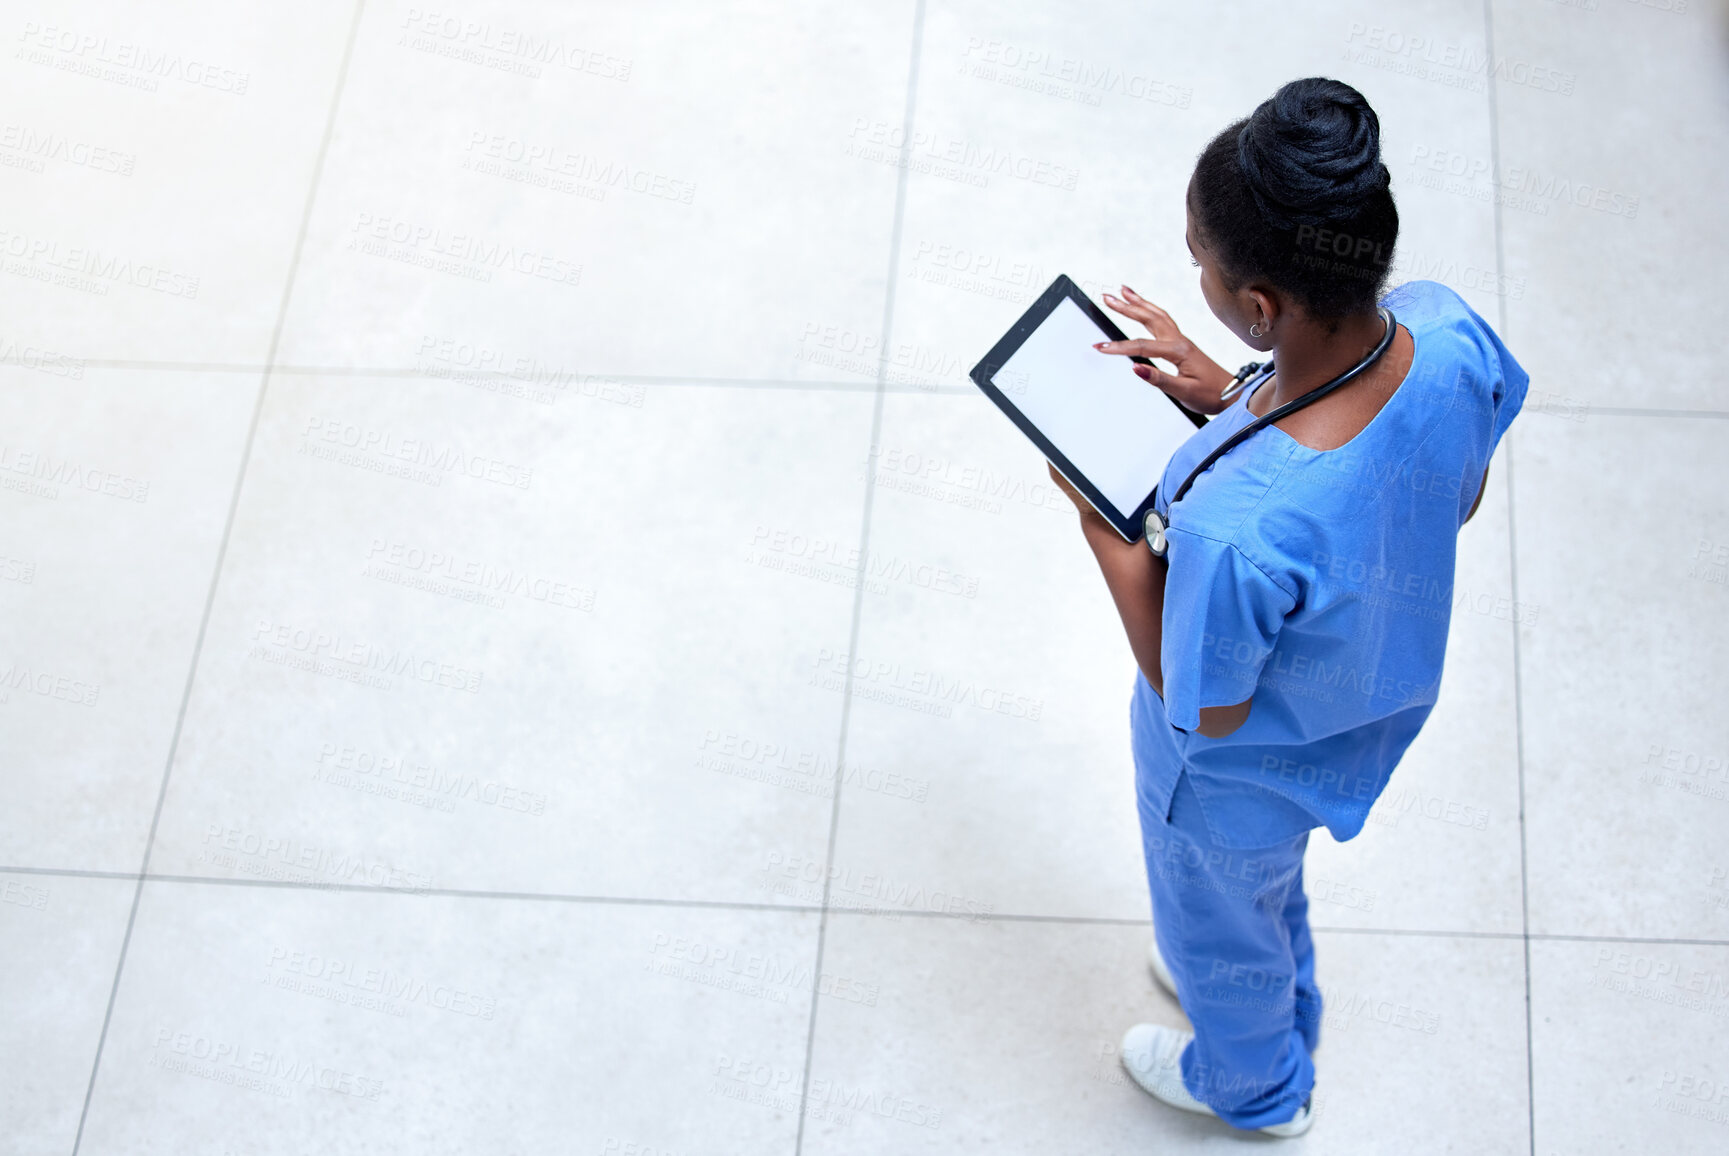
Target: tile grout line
pixel 793 385
pixel 1513 579
pixel 803 908
pixel 1635 411
pixel 788 384
pixel 413 373
pixel 1519 762
pixel 902 171
pixel 1660 940
pixel 216 570
pixel 69 872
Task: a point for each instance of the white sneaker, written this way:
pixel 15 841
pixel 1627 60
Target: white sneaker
pixel 1156 964
pixel 1153 1056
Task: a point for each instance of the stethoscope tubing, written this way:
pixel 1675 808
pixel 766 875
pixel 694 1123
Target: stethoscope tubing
pixel 1290 407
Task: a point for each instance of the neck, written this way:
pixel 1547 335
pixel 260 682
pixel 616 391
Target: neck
pixel 1308 356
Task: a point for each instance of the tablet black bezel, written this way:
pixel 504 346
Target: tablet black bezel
pixel 1060 289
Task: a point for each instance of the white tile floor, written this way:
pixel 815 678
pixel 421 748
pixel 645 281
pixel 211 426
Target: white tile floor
pixel 436 448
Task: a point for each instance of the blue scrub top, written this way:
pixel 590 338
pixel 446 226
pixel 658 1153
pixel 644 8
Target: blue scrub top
pixel 1320 582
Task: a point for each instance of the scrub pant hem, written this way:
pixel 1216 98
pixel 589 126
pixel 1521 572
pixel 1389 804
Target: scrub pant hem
pixel 1233 927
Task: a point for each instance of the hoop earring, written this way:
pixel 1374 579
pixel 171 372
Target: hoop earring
pixel 1255 330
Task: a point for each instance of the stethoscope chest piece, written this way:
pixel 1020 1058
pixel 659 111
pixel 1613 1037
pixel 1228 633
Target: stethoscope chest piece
pixel 1155 532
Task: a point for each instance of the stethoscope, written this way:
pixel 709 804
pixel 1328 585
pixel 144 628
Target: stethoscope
pixel 1253 374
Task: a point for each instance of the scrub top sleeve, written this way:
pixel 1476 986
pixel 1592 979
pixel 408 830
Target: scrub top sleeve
pixel 1222 616
pixel 1509 394
pixel 1508 381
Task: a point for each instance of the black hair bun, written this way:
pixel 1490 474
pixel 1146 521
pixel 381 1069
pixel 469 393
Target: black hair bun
pixel 1312 153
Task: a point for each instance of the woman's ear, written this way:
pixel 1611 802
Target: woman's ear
pixel 1266 306
pixel 1260 312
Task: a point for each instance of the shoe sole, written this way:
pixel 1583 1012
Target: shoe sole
pixel 1283 1131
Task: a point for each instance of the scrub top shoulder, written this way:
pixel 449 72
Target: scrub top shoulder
pixel 1319 583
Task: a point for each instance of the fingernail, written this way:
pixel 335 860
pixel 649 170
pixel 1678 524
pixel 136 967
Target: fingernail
pixel 1143 373
pixel 1130 292
pixel 1100 344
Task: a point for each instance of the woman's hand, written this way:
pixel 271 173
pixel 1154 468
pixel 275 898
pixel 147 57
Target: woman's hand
pixel 1198 379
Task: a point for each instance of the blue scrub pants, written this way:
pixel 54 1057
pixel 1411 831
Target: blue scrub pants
pixel 1233 927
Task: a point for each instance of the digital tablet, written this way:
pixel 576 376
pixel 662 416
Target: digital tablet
pixel 1107 431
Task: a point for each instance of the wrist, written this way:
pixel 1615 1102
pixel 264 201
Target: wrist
pixel 1213 383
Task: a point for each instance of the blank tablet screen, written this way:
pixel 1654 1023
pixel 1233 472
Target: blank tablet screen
pixel 1117 430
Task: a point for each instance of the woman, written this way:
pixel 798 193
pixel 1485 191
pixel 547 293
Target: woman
pixel 1290 639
